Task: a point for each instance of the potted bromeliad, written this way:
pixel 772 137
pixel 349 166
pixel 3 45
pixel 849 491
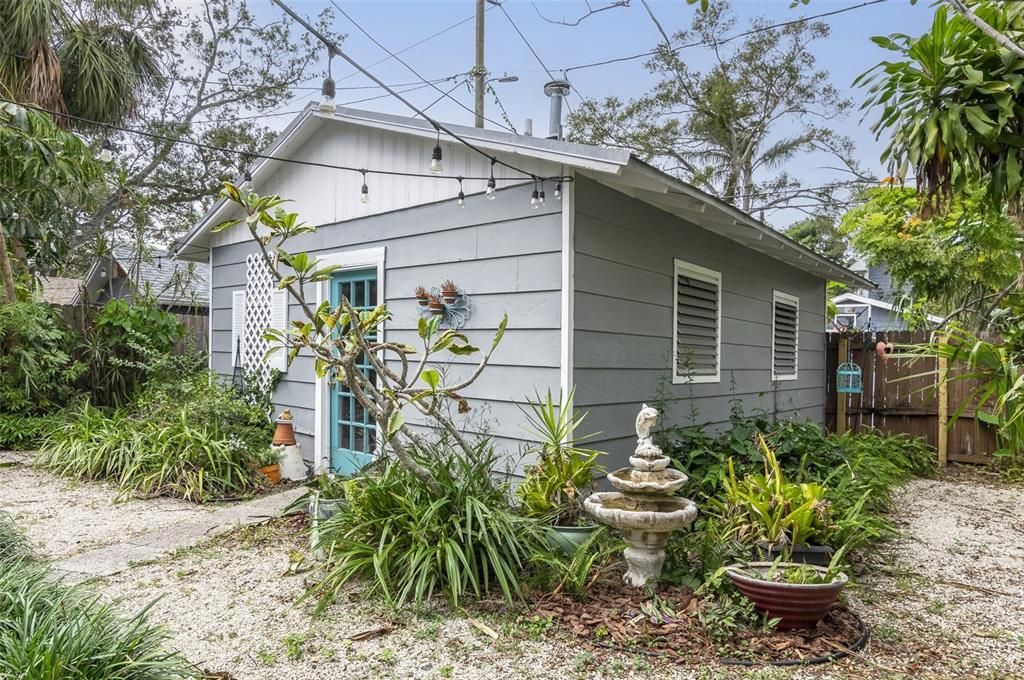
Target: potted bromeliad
pixel 563 475
pixel 798 595
pixel 782 519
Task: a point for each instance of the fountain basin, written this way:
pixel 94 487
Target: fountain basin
pixel 635 481
pixel 656 513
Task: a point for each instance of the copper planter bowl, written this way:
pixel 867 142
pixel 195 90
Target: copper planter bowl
pixel 796 605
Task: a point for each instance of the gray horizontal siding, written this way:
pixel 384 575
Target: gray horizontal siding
pixel 505 255
pixel 623 320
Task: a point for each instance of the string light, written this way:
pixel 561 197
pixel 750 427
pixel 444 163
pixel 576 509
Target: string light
pixel 436 165
pixel 491 193
pixel 535 197
pixel 462 196
pixel 558 191
pixel 106 151
pixel 541 200
pixel 364 193
pixel 247 181
pixel 328 90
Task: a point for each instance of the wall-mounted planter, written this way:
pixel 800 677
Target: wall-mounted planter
pixel 447 301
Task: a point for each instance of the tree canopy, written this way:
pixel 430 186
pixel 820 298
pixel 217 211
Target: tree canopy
pixel 733 128
pixel 953 263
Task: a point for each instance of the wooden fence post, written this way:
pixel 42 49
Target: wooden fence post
pixel 844 346
pixel 942 436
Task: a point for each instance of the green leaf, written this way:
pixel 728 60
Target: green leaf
pixel 395 423
pixel 432 378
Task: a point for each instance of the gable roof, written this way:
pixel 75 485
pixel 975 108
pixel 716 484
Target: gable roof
pixel 855 299
pixel 615 168
pixel 168 279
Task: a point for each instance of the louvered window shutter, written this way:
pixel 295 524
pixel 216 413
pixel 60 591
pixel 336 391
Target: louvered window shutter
pixel 785 336
pixel 697 333
pixel 279 321
pixel 237 326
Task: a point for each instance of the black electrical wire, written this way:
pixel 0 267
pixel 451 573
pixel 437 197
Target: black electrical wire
pixel 333 49
pixel 252 156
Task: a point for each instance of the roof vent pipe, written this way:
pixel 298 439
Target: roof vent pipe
pixel 528 127
pixel 557 90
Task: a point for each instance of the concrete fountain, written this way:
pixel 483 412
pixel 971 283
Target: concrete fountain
pixel 643 508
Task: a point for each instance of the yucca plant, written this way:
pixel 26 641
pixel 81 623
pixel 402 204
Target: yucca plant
pixel 555 485
pixel 410 542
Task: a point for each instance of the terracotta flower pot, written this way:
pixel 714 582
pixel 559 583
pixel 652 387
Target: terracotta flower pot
pixel 422 301
pixel 272 473
pixel 796 605
pixel 436 307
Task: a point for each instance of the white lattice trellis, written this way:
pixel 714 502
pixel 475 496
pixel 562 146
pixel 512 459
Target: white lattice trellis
pixel 259 285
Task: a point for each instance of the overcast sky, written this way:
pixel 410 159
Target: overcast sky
pixel 617 32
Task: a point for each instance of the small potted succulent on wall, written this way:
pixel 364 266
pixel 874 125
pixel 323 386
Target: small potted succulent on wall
pixel 449 291
pixel 421 295
pixel 269 463
pixel 782 519
pixel 435 304
pixel 556 485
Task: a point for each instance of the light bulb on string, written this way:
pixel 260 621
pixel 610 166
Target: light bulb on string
pixel 540 200
pixel 535 196
pixel 436 165
pixel 106 151
pixel 328 90
pixel 558 190
pixel 491 192
pixel 462 196
pixel 247 181
pixel 364 193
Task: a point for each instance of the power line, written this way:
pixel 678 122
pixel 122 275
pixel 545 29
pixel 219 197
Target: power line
pixel 406 65
pixel 536 56
pixel 250 155
pixel 753 31
pixel 333 49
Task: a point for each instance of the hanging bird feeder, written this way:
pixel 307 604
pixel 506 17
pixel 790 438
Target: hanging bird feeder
pixel 849 379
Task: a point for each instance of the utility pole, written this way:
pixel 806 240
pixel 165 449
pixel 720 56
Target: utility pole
pixel 480 70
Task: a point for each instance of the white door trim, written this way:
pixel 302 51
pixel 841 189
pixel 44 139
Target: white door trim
pixel 346 259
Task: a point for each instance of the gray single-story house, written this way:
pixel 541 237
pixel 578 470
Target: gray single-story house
pixel 631 283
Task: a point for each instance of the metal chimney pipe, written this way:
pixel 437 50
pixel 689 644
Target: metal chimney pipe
pixel 528 127
pixel 557 90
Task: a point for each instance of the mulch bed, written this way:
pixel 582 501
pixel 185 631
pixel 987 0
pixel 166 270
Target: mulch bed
pixel 617 616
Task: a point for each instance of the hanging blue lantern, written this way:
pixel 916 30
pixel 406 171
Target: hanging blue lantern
pixel 849 379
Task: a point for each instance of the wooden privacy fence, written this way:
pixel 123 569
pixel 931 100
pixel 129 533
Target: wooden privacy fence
pixel 918 406
pixel 196 335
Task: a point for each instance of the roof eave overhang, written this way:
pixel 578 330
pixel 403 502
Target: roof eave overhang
pixel 653 186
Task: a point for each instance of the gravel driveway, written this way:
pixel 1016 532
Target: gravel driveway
pixel 944 601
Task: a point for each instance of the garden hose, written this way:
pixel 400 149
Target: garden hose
pixel 858 644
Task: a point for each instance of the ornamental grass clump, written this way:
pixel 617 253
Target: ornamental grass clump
pixel 193 439
pixel 410 542
pixel 54 631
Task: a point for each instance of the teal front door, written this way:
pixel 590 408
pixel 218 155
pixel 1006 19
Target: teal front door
pixel 353 432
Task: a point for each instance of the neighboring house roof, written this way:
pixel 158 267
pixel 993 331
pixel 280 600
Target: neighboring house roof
pixel 855 299
pixel 615 168
pixel 58 290
pixel 168 279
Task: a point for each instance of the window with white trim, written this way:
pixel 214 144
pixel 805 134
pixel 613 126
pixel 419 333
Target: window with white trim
pixel 785 335
pixel 697 326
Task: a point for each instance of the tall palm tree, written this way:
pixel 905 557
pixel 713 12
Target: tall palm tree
pixel 85 58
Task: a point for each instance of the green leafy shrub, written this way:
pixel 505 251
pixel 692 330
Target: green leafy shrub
pixel 194 439
pixel 37 369
pixel 26 432
pixel 126 347
pixel 770 509
pixel 50 630
pixel 410 542
pixel 554 571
